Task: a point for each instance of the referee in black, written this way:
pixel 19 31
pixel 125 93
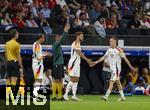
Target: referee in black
pixel 58 64
pixel 14 61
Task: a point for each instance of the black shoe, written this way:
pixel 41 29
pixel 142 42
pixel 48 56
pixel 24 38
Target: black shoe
pixel 54 99
pixel 61 99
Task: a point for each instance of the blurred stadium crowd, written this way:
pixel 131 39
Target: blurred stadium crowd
pixel 90 16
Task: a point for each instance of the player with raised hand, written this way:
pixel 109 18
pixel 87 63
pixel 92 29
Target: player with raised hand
pixel 74 66
pixel 114 54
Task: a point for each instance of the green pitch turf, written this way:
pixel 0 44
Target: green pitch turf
pixel 93 102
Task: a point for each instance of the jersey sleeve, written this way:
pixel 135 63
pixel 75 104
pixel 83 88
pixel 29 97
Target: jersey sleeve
pixel 18 49
pixel 121 52
pixel 76 46
pixel 36 50
pixel 107 53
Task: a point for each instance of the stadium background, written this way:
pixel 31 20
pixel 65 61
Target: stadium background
pixel 129 20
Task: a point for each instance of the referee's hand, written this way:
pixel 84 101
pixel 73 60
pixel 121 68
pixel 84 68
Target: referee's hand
pixel 67 27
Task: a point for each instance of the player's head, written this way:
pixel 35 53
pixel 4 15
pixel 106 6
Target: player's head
pixel 57 38
pixel 80 36
pixel 48 72
pixel 14 34
pixel 41 38
pixel 113 41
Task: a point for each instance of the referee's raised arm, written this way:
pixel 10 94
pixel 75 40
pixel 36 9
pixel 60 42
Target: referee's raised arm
pixel 64 35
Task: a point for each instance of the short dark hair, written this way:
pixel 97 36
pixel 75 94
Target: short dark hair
pixel 40 36
pixel 13 33
pixel 78 33
pixel 115 38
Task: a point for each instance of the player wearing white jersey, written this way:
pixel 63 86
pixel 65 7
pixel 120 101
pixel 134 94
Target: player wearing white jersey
pixel 114 55
pixel 74 66
pixel 74 62
pixel 37 64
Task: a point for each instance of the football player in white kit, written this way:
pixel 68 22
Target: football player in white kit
pixel 37 64
pixel 114 55
pixel 74 66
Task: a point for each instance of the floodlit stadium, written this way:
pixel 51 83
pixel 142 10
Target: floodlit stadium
pixel 74 54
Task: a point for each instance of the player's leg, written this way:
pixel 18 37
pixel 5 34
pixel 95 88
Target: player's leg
pixel 75 81
pixel 54 89
pixel 68 89
pixel 38 73
pixel 60 82
pixel 119 85
pixel 111 83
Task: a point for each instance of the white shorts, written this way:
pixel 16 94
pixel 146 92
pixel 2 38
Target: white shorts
pixel 38 70
pixel 74 71
pixel 115 76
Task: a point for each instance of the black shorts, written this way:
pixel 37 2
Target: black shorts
pixel 58 71
pixel 12 69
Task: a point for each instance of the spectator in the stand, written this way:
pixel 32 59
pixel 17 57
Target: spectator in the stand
pixel 83 9
pixel 30 22
pixel 61 3
pixel 147 5
pixel 25 9
pixel 1 18
pixel 135 21
pixel 4 4
pixel 73 5
pixel 83 24
pixel 63 19
pixel 105 11
pixel 55 15
pixel 44 24
pixel 131 81
pixel 100 26
pixel 6 22
pixel 145 75
pixel 51 4
pixel 144 22
pixel 94 13
pixel 18 19
pixel 45 11
pixel 115 12
pixel 17 5
pixel 112 23
pixel 35 9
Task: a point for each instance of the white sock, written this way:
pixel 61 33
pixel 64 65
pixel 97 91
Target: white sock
pixel 36 88
pixel 74 88
pixel 108 93
pixel 121 93
pixel 68 88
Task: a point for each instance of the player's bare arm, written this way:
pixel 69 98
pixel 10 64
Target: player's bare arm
pixel 128 63
pixel 84 57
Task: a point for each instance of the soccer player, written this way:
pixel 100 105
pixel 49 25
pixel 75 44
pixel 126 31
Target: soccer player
pixel 14 60
pixel 37 64
pixel 74 66
pixel 58 65
pixel 114 54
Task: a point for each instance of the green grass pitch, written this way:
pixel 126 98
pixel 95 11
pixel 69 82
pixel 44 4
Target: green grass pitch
pixel 93 102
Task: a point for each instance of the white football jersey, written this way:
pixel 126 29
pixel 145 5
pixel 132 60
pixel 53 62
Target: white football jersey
pixel 37 52
pixel 115 56
pixel 75 58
